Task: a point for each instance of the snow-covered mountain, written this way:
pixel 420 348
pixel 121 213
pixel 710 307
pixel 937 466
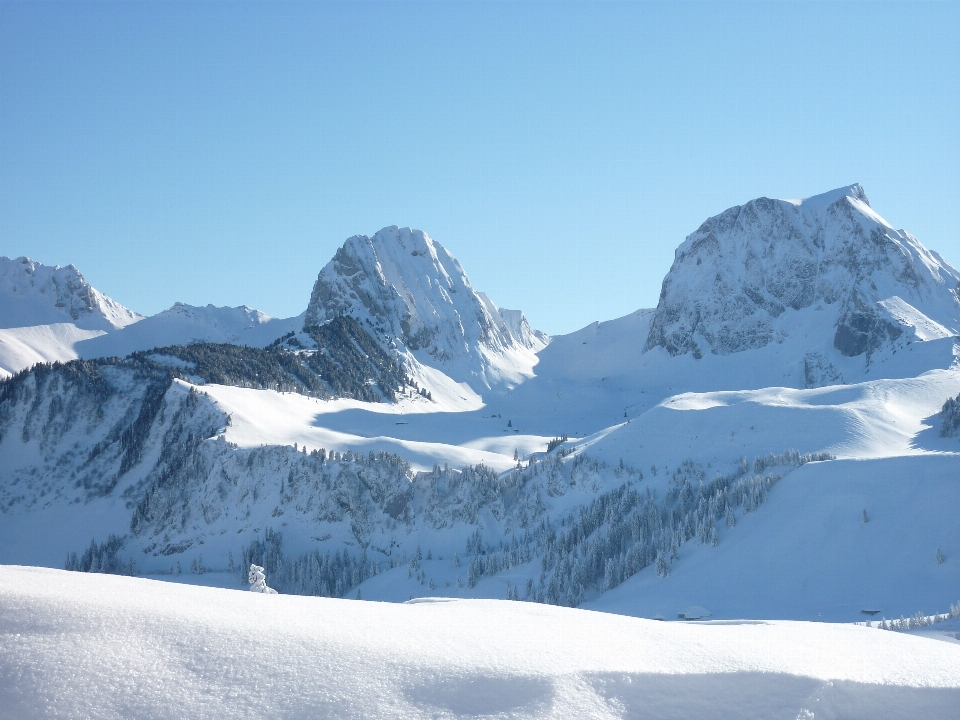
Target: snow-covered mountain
pixel 36 294
pixel 184 324
pixel 51 314
pixel 45 310
pixel 619 474
pixel 413 295
pixel 742 279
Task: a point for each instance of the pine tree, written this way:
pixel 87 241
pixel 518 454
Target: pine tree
pixel 663 567
pixel 940 557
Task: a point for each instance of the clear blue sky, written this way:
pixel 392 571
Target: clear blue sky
pixel 220 153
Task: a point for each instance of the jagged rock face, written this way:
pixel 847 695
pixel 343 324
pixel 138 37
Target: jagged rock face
pixel 744 268
pixel 35 294
pixel 405 287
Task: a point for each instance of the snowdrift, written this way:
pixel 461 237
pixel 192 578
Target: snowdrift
pixel 95 646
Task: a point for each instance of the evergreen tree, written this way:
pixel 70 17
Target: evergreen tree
pixel 663 567
pixel 258 581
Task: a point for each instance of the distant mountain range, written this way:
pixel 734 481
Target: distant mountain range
pixel 773 423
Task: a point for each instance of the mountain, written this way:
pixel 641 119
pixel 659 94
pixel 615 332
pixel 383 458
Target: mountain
pixel 413 295
pixel 35 294
pixel 739 282
pixel 45 310
pixel 51 314
pixel 185 324
pixel 778 476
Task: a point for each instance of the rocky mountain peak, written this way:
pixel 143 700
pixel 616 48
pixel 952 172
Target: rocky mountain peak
pixel 413 295
pixel 743 271
pixel 36 294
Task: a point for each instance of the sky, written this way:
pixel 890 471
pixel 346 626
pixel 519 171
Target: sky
pixel 221 152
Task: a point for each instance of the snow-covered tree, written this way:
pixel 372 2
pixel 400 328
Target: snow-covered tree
pixel 731 518
pixel 258 581
pixel 663 567
pixel 950 417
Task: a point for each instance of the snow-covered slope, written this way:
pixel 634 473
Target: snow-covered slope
pixel 737 281
pixel 880 418
pixel 45 311
pixel 96 449
pixel 99 646
pixel 807 552
pixel 184 324
pixel 413 295
pixel 24 347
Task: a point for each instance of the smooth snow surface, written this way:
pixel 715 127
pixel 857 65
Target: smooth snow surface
pixel 265 417
pixel 94 646
pixel 23 347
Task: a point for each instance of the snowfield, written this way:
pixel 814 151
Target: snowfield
pixel 74 645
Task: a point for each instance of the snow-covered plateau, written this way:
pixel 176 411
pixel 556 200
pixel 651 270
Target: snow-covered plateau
pixel 772 451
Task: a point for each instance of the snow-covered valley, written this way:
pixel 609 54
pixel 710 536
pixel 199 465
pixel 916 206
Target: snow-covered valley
pixel 773 442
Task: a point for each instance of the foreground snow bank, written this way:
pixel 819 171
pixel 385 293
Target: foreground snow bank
pixel 79 645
